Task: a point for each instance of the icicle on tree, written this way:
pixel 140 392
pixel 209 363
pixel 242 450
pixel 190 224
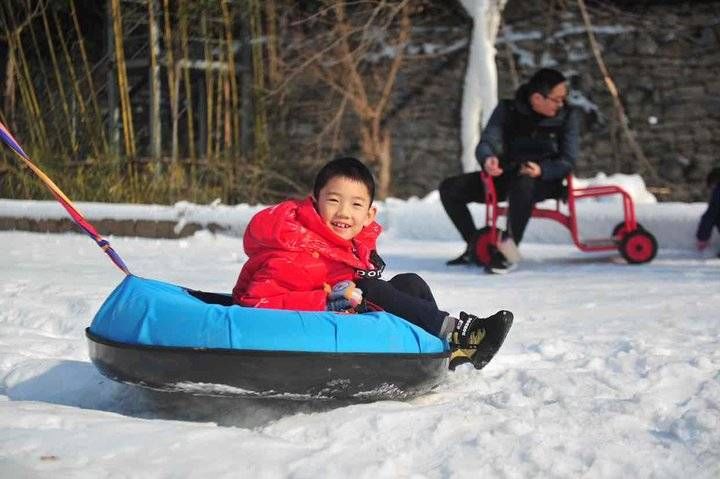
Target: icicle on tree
pixel 480 89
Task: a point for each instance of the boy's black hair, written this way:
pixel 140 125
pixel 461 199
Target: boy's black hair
pixel 347 167
pixel 544 80
pixel 713 177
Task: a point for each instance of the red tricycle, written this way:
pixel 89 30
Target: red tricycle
pixel 635 243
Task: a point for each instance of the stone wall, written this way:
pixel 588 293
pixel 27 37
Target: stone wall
pixel 664 58
pixel 665 61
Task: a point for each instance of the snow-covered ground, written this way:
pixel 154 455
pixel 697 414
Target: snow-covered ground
pixel 611 370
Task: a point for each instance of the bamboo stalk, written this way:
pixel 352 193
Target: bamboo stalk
pixel 25 96
pixel 59 82
pixel 227 21
pixel 272 42
pixel 88 75
pixel 12 36
pixel 111 86
pixel 87 122
pixel 227 111
pixel 170 61
pixel 186 77
pixel 10 86
pixel 123 87
pixel 43 70
pixel 31 100
pixel 219 113
pixel 261 139
pixel 155 86
pixel 208 88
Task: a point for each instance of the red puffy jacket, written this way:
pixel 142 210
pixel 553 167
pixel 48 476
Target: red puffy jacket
pixel 293 258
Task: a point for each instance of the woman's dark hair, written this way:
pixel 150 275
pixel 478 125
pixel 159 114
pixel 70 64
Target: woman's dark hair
pixel 544 80
pixel 347 167
pixel 713 177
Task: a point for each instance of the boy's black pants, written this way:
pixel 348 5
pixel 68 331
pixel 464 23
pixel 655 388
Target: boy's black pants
pixel 406 295
pixel 522 192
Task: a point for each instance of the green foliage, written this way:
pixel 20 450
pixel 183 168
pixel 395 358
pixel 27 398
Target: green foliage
pixel 114 180
pixel 78 92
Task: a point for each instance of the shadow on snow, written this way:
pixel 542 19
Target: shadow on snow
pixel 79 384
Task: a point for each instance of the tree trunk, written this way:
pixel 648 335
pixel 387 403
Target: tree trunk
pixel 385 159
pixel 375 142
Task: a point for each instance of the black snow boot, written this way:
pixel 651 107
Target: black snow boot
pixel 476 340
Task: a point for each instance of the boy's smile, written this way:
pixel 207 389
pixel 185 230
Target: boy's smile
pixel 345 207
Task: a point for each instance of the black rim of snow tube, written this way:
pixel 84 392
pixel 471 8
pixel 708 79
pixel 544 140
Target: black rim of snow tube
pixel 281 374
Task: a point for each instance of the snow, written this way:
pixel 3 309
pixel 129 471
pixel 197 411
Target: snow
pixel 611 370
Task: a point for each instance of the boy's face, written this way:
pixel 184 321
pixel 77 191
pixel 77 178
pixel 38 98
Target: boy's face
pixel 344 205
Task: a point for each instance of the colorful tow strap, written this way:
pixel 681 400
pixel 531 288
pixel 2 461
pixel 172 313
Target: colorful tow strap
pixel 78 218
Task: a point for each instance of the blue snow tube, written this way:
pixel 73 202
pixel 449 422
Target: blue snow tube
pixel 164 336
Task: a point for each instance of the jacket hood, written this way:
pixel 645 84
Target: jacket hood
pixel 295 225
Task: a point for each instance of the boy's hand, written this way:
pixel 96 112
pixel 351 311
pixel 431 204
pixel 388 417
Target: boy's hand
pixel 701 245
pixel 344 296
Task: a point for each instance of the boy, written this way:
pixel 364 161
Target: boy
pixel 319 254
pixel 711 217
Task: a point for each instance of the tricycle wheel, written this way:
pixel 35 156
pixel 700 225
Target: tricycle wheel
pixel 481 245
pixel 619 232
pixel 638 246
